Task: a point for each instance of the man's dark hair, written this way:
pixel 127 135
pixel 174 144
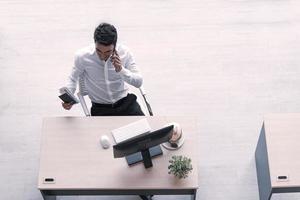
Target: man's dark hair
pixel 106 34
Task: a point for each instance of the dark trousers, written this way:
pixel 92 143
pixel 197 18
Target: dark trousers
pixel 126 106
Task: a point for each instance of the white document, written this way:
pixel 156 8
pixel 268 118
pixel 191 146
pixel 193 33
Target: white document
pixel 131 130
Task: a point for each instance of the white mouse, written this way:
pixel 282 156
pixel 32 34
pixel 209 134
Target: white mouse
pixel 104 141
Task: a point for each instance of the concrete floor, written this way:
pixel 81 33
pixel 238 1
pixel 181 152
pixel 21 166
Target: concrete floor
pixel 226 62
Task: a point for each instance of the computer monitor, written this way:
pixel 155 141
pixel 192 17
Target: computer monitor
pixel 145 146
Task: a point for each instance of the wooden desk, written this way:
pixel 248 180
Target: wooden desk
pixel 278 155
pixel 72 155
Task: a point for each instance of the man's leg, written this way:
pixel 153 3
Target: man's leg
pixel 130 107
pixel 135 109
pixel 103 111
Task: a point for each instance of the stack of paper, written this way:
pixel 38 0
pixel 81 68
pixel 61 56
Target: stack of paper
pixel 131 130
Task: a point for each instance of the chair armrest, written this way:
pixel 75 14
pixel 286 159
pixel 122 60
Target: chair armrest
pixel 83 104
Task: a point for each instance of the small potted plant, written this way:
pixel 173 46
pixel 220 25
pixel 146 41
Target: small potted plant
pixel 180 166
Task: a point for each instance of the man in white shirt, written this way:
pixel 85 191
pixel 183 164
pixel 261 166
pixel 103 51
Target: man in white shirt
pixel 105 66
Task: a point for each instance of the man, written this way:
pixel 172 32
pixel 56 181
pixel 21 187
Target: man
pixel 105 67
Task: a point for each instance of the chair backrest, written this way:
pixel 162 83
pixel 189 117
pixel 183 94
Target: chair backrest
pixel 83 92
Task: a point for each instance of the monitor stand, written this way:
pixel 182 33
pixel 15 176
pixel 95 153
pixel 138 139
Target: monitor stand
pixel 144 156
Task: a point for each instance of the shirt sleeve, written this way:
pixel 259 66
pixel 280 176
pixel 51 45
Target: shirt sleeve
pixel 130 72
pixel 77 70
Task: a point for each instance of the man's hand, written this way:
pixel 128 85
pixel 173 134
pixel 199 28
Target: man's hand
pixel 116 61
pixel 66 106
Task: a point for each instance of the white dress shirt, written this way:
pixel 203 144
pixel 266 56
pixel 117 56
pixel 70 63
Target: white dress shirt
pixel 103 84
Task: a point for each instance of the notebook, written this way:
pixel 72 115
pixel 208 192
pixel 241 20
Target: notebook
pixel 67 96
pixel 131 130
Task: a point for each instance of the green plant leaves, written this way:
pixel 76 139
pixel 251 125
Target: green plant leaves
pixel 180 166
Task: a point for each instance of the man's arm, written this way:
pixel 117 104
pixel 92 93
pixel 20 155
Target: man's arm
pixel 77 70
pixel 129 71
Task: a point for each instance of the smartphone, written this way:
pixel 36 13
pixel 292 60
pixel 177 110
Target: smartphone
pixel 113 53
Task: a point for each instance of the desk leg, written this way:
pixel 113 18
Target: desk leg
pixel 48 197
pixel 194 195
